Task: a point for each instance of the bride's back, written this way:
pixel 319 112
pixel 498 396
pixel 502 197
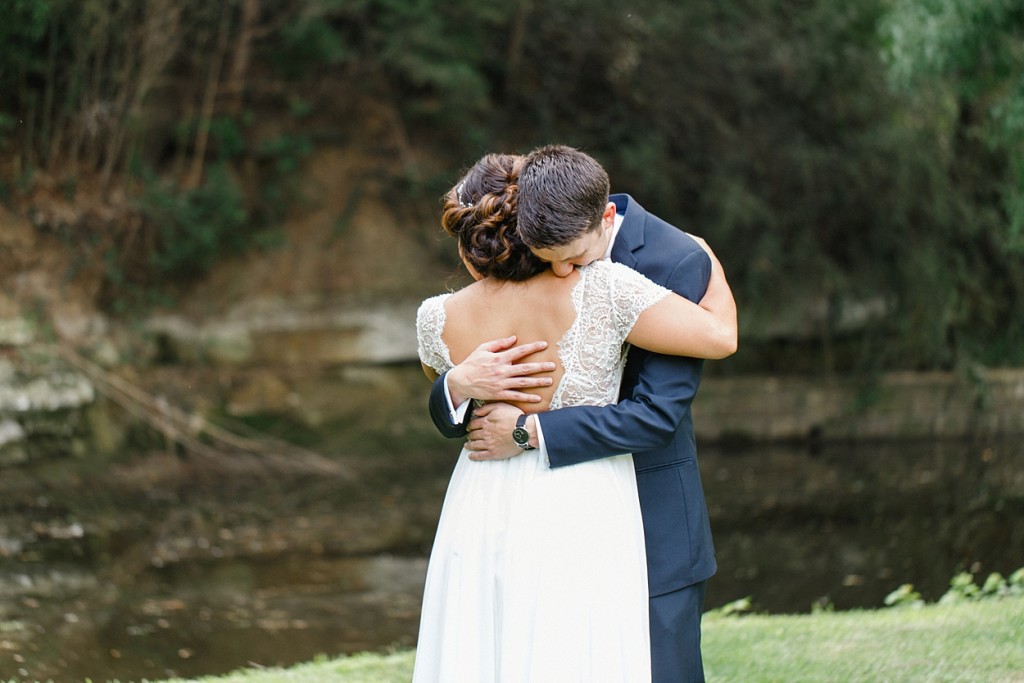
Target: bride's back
pixel 539 308
pixel 516 293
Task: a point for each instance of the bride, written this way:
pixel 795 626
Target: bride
pixel 539 574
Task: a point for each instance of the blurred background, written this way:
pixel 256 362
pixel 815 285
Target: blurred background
pixel 217 221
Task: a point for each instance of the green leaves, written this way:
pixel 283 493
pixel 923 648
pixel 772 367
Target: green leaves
pixel 962 587
pixel 197 226
pixel 904 596
pixel 836 156
pixel 959 67
pixel 973 52
pixel 23 26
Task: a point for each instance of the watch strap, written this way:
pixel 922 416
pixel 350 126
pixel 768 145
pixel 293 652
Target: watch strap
pixel 521 435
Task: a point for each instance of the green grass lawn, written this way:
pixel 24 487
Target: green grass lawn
pixel 980 641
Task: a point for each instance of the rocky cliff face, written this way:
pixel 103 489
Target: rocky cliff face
pixel 341 290
pixel 41 401
pixel 337 300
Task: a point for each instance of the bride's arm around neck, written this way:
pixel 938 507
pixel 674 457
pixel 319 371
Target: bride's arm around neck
pixel 678 327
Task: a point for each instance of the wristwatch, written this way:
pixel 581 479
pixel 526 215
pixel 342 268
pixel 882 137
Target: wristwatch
pixel 520 435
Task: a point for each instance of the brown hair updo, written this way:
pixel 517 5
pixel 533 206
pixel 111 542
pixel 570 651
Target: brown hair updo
pixel 480 211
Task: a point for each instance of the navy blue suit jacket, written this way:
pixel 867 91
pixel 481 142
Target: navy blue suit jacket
pixel 652 419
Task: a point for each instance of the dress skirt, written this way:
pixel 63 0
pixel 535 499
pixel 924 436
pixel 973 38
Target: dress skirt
pixel 537 575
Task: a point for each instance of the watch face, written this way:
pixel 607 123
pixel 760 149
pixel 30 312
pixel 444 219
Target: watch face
pixel 521 437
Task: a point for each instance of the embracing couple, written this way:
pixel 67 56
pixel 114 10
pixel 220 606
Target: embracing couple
pixel 574 542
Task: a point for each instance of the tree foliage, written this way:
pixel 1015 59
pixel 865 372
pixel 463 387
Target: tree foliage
pixel 859 167
pixel 960 66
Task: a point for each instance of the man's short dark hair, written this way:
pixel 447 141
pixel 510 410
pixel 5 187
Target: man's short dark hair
pixel 562 195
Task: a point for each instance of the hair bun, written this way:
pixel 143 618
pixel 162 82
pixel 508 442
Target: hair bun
pixel 481 212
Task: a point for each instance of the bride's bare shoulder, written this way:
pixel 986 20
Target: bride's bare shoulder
pixel 539 290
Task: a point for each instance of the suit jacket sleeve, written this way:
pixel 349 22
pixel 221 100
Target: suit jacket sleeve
pixel 438 406
pixel 650 417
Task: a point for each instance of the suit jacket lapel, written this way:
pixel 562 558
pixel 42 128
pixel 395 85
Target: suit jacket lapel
pixel 631 233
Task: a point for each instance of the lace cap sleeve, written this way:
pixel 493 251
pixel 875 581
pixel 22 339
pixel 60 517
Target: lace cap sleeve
pixel 429 325
pixel 631 294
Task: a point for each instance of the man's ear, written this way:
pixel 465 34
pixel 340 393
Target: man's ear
pixel 609 212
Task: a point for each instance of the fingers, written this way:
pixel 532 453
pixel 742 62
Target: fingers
pixel 512 395
pixel 475 427
pixel 496 345
pixel 480 456
pixel 482 448
pixel 489 434
pixel 523 350
pixel 520 397
pixel 491 373
pixel 488 408
pixel 521 369
pixel 511 389
pixel 485 449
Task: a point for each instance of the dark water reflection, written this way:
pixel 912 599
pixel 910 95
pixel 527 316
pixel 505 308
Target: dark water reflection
pixel 794 525
pixel 845 524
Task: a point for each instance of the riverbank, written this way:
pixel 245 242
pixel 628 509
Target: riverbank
pixel 965 642
pixel 171 565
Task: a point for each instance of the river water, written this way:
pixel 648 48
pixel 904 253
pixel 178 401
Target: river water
pixel 175 568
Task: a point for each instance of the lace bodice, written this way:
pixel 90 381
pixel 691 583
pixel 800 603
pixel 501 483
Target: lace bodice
pixel 608 299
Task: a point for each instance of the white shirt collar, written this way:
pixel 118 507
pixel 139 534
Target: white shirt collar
pixel 616 224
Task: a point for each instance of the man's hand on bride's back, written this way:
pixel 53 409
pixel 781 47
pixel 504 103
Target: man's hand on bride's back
pixel 490 373
pixel 489 433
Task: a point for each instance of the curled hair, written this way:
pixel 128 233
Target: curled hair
pixel 563 192
pixel 481 212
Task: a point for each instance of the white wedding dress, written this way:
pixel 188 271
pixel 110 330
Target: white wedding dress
pixel 539 575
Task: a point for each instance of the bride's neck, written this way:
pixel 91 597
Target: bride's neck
pixel 540 279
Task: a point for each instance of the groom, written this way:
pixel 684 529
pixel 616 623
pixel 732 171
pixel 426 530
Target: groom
pixel 652 419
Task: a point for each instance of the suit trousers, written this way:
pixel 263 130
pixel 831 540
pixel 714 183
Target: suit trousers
pixel 675 635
